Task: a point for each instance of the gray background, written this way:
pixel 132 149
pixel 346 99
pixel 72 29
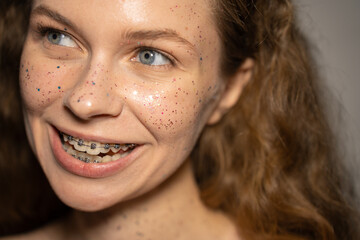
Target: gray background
pixel 333 27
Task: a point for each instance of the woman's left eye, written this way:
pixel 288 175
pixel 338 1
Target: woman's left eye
pixel 151 57
pixel 61 39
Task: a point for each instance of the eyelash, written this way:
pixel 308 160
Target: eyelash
pixel 171 59
pixel 44 30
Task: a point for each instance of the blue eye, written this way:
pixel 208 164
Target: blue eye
pixel 151 57
pixel 61 39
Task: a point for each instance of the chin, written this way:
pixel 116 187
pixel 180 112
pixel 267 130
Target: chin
pixel 87 202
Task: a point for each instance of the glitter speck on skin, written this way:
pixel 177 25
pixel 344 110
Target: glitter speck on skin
pixel 59 87
pixel 93 83
pixel 58 67
pixel 89 104
pixel 38 89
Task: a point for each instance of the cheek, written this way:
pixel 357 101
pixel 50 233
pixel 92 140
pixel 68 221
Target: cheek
pixel 42 83
pixel 180 108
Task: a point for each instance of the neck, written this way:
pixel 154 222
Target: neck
pixel 173 210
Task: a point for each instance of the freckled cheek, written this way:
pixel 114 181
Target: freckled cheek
pixel 170 111
pixel 42 84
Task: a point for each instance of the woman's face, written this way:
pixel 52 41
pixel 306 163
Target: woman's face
pixel 128 84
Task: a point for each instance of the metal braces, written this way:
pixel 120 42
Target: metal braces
pixel 80 142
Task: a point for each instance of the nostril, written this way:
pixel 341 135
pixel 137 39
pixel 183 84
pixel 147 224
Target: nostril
pixel 85 106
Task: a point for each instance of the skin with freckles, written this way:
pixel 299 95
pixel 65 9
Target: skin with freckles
pixel 85 70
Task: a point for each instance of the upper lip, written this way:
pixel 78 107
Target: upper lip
pixel 92 138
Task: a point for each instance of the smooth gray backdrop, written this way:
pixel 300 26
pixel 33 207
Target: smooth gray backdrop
pixel 333 27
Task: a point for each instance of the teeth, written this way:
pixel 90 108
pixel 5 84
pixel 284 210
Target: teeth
pixel 95 151
pixel 124 148
pixel 72 141
pixel 88 151
pixel 71 151
pixel 115 150
pixel 66 147
pixel 81 156
pixel 81 145
pixel 96 159
pixel 106 158
pixel 104 148
pixel 116 157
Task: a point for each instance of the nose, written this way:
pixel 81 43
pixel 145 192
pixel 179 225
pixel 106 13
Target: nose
pixel 91 97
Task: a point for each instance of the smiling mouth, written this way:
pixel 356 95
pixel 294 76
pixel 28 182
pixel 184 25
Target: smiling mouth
pixel 94 152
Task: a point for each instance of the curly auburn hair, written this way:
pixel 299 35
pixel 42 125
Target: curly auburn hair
pixel 27 200
pixel 269 164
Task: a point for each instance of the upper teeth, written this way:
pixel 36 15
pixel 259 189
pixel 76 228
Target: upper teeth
pixel 94 148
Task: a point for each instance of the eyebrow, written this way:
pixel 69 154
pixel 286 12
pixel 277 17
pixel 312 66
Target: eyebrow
pixel 46 11
pixel 128 35
pixel 158 34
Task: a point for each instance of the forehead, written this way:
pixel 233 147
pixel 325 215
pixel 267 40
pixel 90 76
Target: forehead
pixel 192 19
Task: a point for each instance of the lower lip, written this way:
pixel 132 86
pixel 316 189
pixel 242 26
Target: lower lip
pixel 90 170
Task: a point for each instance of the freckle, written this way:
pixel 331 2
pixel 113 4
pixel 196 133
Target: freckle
pixel 78 100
